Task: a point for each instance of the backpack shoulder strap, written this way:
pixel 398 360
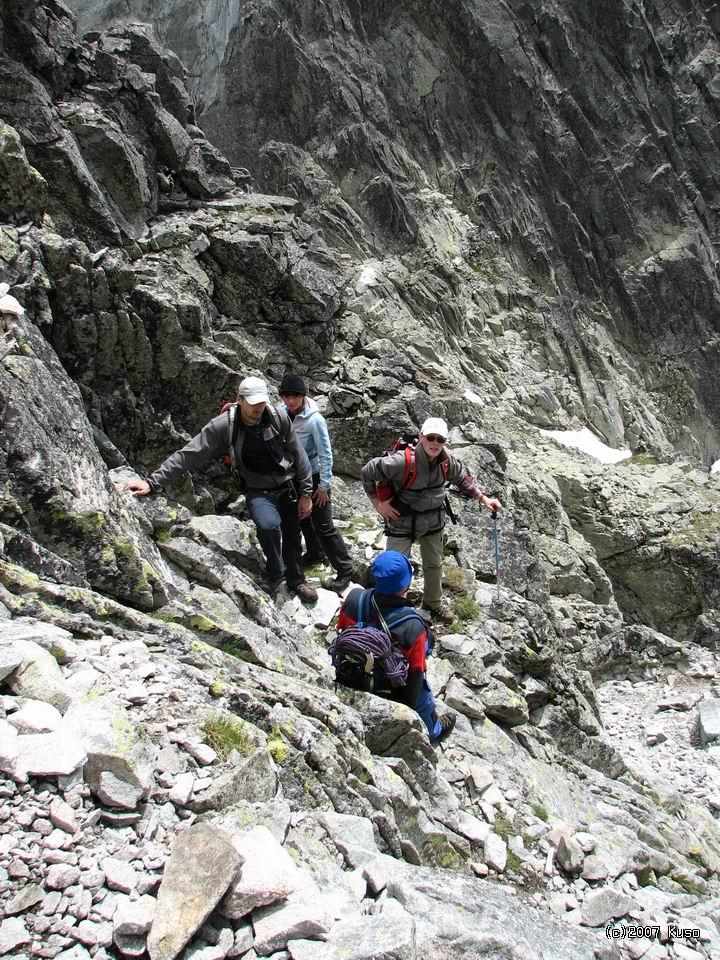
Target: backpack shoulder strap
pixel 410 469
pixel 396 617
pixel 233 429
pixel 364 608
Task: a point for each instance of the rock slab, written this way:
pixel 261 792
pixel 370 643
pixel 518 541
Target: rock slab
pixel 202 865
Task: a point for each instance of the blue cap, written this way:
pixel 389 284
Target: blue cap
pixel 392 572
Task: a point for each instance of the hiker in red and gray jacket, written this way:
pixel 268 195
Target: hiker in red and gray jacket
pixel 415 511
pixel 393 574
pixel 273 470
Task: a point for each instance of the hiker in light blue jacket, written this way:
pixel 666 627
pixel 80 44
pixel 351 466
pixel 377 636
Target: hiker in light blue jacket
pixel 322 538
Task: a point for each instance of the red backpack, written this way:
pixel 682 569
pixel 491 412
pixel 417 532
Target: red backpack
pixel 407 443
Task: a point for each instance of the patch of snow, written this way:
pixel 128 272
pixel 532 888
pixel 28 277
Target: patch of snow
pixel 715 468
pixel 473 397
pixel 586 441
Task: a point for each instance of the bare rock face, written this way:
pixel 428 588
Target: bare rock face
pixel 98 127
pixel 435 253
pixel 567 157
pixel 23 191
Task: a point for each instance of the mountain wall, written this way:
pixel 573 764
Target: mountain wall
pixel 575 147
pixel 162 717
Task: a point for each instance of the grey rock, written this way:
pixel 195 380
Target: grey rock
pixel 349 833
pixel 182 790
pixel 57 641
pixel 391 729
pixel 480 778
pixel 63 815
pixel 60 876
pixel 300 916
pixel 24 191
pixel 495 852
pixel 115 747
pixel 251 777
pixel 13 934
pixel 244 938
pixel 49 754
pixel 93 934
pixel 504 705
pixel 378 937
pixel 268 873
pixel 8 747
pixel 709 721
pixel 470 911
pixel 460 697
pixel 569 854
pixel 201 867
pixel 133 918
pixel 594 868
pixel 34 716
pixel 116 791
pixel 10 659
pixel 119 875
pixel 605 904
pixel 38 677
pixel 458 643
pixel 26 898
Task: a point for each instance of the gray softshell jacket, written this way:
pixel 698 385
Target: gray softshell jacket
pixel 212 443
pixel 425 497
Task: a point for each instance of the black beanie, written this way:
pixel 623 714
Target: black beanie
pixel 292 383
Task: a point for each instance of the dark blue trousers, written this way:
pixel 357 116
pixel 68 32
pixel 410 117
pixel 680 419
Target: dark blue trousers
pixel 275 516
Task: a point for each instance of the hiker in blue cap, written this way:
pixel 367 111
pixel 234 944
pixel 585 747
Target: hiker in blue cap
pixel 409 631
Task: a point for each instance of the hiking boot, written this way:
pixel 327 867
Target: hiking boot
pixel 341 582
pixel 311 559
pixel 442 612
pixel 306 592
pixel 447 725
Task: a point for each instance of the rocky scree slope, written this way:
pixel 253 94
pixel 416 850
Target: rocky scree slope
pixel 153 689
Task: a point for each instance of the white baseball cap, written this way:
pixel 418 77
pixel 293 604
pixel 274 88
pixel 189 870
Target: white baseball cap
pixel 434 425
pixel 254 390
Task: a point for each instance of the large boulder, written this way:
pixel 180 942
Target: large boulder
pixel 120 757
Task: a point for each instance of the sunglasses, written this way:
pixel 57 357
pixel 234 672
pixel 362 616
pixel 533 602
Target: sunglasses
pixel 434 438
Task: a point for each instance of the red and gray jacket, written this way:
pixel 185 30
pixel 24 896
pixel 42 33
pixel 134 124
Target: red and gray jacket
pixel 420 502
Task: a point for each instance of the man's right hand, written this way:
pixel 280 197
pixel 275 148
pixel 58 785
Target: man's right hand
pixel 138 488
pixel 387 510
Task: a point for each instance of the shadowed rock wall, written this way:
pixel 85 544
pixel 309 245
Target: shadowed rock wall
pixel 580 141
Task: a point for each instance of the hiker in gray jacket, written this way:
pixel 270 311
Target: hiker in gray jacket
pixel 273 470
pixel 409 493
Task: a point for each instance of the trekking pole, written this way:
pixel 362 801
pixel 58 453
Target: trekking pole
pixel 497 555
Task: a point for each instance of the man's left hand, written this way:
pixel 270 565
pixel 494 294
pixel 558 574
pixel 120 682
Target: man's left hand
pixel 304 507
pixel 320 497
pixel 492 503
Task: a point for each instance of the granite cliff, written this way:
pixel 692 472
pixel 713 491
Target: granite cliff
pixel 502 214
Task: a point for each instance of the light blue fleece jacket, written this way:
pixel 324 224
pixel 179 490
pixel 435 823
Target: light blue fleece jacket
pixel 312 431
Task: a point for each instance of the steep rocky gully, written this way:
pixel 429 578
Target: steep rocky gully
pixel 505 214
